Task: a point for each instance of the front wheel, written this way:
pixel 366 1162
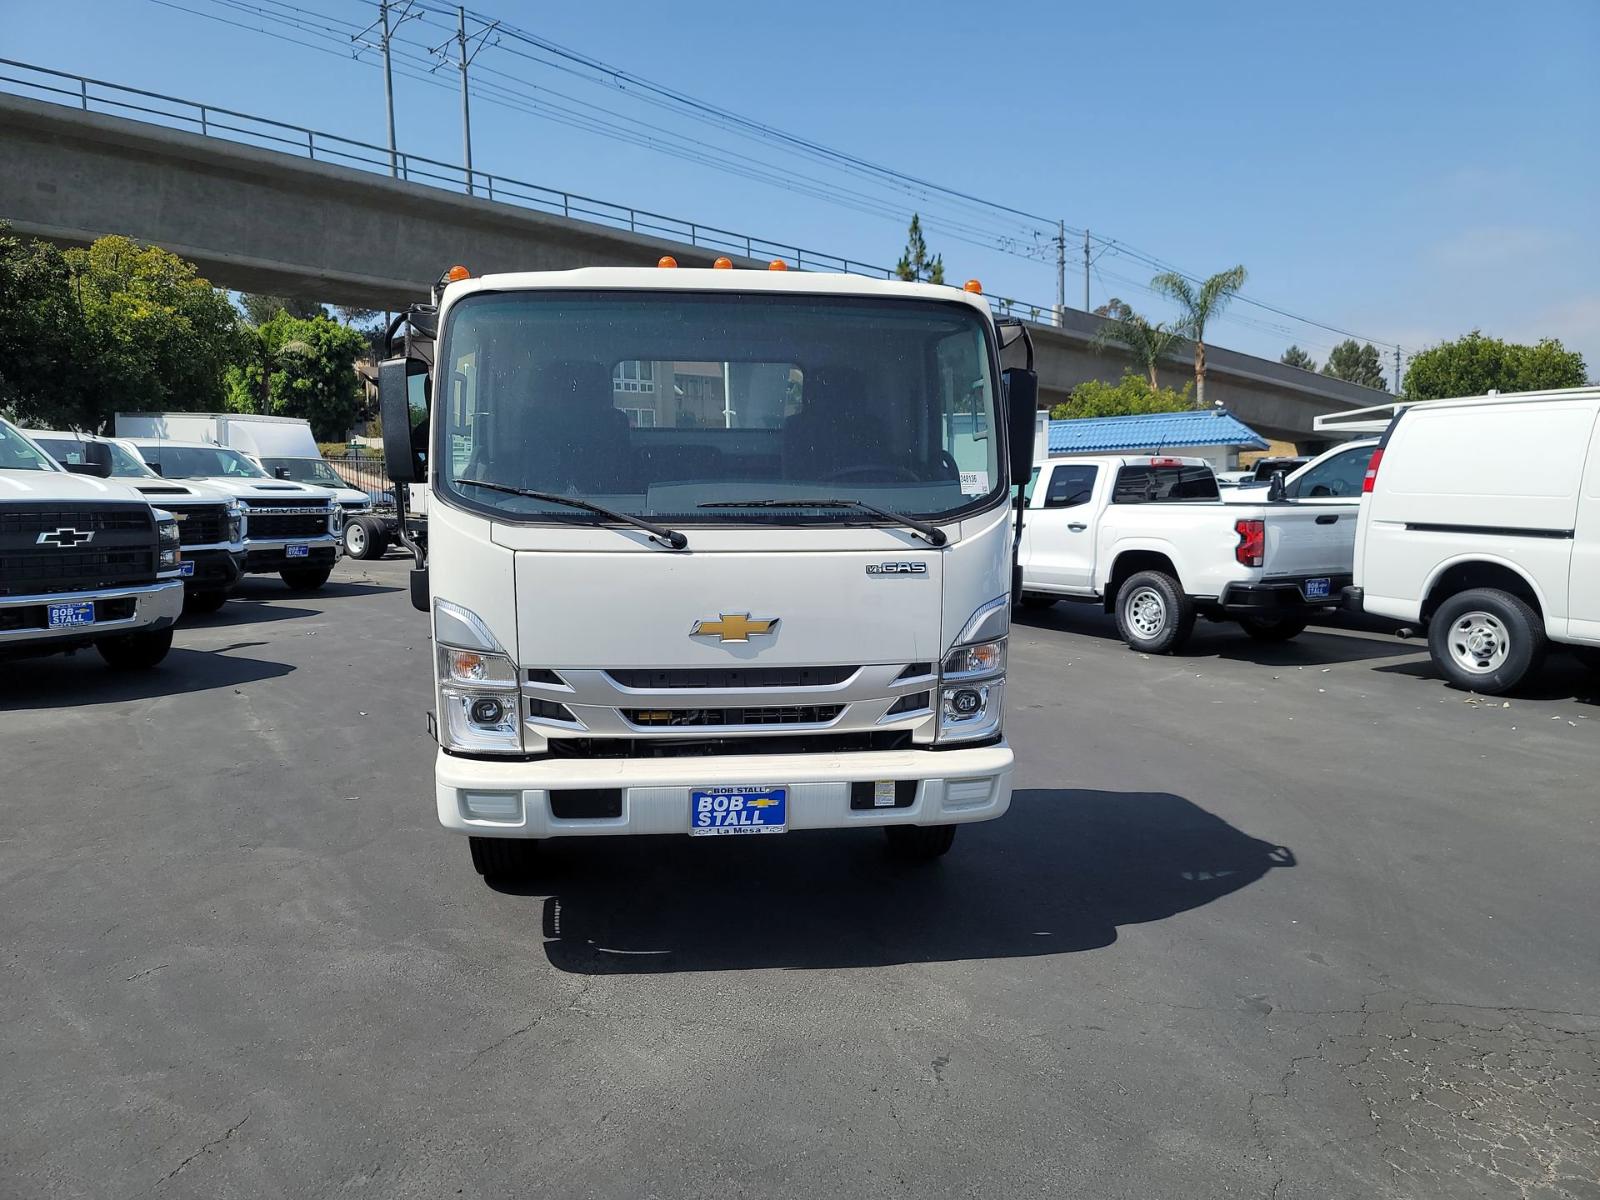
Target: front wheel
pixel 135 651
pixel 504 860
pixel 1486 640
pixel 305 579
pixel 1273 629
pixel 1153 614
pixel 919 843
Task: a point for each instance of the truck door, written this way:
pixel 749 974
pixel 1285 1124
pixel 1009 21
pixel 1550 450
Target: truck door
pixel 1583 595
pixel 1059 532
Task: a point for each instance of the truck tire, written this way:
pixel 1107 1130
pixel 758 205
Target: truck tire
pixel 135 651
pixel 504 860
pixel 1274 629
pixel 1153 614
pixel 1038 600
pixel 1486 640
pixel 919 843
pixel 204 602
pixel 305 579
pixel 362 539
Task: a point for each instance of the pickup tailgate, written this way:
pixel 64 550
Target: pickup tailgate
pixel 1309 540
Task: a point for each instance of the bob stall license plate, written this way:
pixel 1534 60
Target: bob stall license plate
pixel 1318 589
pixel 736 810
pixel 63 616
pixel 297 551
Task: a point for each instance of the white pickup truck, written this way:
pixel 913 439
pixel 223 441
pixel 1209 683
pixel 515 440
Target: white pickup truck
pixel 1150 539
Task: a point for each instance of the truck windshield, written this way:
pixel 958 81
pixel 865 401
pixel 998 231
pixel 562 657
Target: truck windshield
pixel 673 405
pixel 200 462
pixel 17 454
pixel 304 470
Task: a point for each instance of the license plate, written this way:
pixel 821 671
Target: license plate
pixel 733 810
pixel 305 552
pixel 186 568
pixel 75 613
pixel 1318 589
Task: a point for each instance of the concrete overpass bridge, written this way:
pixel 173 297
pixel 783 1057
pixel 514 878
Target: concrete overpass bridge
pixel 309 214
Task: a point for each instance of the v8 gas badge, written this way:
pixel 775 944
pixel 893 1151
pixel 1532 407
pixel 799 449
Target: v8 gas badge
pixel 897 568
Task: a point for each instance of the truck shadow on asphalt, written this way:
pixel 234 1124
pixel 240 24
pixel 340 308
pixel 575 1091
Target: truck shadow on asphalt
pixel 83 679
pixel 1321 645
pixel 1058 875
pixel 1561 678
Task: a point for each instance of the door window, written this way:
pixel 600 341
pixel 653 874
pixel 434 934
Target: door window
pixel 1340 475
pixel 1070 485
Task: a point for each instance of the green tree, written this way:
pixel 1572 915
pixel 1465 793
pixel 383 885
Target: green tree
pixel 1296 357
pixel 915 265
pixel 1199 305
pixel 1475 364
pixel 301 368
pixel 259 308
pixel 1357 364
pixel 1130 396
pixel 1147 342
pixel 46 376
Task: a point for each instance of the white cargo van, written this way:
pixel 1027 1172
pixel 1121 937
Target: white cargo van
pixel 1482 519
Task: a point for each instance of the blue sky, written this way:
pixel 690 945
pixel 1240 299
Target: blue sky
pixel 1405 171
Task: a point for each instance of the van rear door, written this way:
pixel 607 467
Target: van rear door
pixel 1584 586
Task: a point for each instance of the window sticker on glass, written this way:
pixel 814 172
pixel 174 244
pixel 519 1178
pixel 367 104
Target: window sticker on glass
pixel 974 483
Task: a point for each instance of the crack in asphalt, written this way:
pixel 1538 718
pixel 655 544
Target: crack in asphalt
pixel 227 1135
pixel 570 1006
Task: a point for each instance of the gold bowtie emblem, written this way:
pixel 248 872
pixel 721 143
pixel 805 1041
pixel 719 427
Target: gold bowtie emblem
pixel 734 627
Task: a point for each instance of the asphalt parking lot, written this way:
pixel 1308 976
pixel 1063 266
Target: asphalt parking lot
pixel 1291 921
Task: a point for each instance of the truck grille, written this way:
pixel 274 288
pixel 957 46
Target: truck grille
pixel 688 718
pixel 202 525
pixel 726 679
pixel 116 546
pixel 263 523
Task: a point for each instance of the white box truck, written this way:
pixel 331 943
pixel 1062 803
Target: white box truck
pixel 712 552
pixel 1481 520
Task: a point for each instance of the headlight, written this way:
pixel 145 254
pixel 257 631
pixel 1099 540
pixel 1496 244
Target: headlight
pixel 235 521
pixel 480 704
pixel 335 519
pixel 972 686
pixel 167 540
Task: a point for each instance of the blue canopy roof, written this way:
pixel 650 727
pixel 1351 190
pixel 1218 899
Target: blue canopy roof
pixel 1154 431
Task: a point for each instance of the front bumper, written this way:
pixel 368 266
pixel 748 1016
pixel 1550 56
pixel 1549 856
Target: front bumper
pixel 24 619
pixel 1279 596
pixel 953 787
pixel 216 569
pixel 271 557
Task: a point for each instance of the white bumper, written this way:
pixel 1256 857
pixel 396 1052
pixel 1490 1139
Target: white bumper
pixel 953 787
pixel 155 606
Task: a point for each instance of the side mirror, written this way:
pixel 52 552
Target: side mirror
pixel 1276 489
pixel 402 419
pixel 99 470
pixel 1021 394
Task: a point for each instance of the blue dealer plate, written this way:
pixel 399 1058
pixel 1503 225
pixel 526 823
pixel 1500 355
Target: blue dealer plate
pixel 1317 589
pixel 732 810
pixel 305 552
pixel 186 568
pixel 76 613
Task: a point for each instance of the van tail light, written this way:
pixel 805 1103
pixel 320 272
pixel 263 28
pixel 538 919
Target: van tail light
pixel 1252 548
pixel 1371 477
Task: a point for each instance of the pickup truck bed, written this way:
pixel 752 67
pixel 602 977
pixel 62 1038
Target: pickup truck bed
pixel 1148 538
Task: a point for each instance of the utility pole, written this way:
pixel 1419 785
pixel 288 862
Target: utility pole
pixel 387 29
pixel 1085 270
pixel 465 53
pixel 1397 370
pixel 1061 270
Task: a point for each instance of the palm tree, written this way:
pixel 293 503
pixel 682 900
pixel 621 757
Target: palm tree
pixel 1199 305
pixel 1147 342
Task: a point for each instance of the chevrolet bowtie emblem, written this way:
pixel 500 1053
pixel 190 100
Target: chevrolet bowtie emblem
pixel 734 627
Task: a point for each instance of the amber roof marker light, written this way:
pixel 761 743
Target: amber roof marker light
pixel 973 286
pixel 777 264
pixel 457 273
pixel 723 264
pixel 666 261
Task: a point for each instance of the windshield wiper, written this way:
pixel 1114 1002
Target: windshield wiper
pixel 659 533
pixel 932 534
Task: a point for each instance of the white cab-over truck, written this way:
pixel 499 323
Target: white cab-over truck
pixel 712 552
pixel 83 562
pixel 1148 538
